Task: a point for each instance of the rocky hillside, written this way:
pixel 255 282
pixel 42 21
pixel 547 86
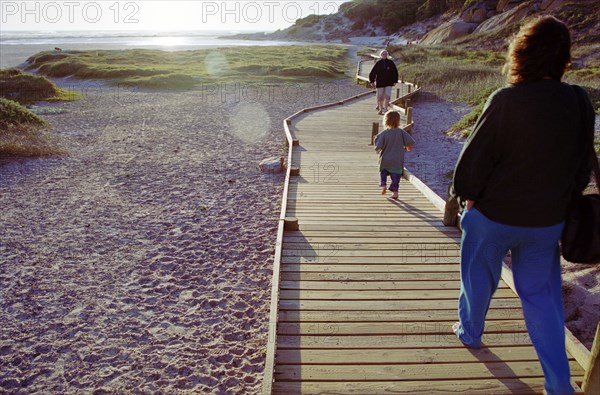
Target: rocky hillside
pixel 472 23
pixel 492 21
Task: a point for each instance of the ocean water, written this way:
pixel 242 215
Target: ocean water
pixel 16 47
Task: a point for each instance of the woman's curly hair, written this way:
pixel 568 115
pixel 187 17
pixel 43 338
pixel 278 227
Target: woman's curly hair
pixel 541 49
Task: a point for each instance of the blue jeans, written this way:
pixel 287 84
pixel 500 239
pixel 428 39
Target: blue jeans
pixel 537 276
pixel 395 180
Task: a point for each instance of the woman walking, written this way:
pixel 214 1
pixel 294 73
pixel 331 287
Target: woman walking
pixel 520 166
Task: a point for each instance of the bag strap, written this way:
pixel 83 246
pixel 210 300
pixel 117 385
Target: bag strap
pixel 581 95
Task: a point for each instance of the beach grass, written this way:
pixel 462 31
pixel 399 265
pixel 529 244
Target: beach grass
pixel 451 73
pixel 155 69
pixel 28 88
pixel 22 133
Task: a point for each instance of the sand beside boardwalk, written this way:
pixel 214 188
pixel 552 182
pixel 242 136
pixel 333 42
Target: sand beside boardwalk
pixel 141 262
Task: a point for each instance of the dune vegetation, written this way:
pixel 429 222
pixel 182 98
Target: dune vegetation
pixel 28 88
pixel 22 133
pixel 25 134
pixel 155 69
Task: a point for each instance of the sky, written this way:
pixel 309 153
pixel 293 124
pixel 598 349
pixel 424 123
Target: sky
pixel 158 15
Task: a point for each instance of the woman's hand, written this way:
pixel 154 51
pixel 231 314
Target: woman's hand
pixel 470 204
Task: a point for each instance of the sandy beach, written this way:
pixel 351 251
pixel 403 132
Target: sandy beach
pixel 141 261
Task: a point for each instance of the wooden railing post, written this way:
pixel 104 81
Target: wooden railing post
pixel 397 93
pixel 409 115
pixel 291 224
pixel 591 380
pixel 451 212
pixel 374 131
pixel 407 104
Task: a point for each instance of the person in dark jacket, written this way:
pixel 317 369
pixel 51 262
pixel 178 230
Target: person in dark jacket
pixel 517 171
pixel 385 75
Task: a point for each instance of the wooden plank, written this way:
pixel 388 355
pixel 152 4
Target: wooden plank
pixel 387 305
pixel 396 212
pixel 308 198
pixel 390 328
pixel 354 294
pixel 366 214
pixel 390 209
pixel 383 205
pixel 316 186
pixel 354 223
pixel 591 382
pixel 337 253
pixel 468 371
pixel 390 316
pixel 371 277
pixel 429 238
pixel 529 385
pixel 305 235
pixel 401 227
pixel 407 244
pixel 308 202
pixel 368 265
pixel 407 355
pixel 370 285
pixel 413 340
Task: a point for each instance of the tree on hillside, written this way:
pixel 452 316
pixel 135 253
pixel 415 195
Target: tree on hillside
pixel 391 14
pixel 436 7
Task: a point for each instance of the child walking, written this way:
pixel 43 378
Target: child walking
pixel 391 144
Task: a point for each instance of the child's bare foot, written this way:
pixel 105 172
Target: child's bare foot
pixel 395 195
pixel 383 190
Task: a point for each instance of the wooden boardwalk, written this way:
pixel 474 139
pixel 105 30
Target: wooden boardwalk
pixel 366 290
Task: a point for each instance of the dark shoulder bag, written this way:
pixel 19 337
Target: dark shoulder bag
pixel 580 240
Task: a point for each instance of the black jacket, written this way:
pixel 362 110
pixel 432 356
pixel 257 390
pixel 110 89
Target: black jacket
pixel 527 154
pixel 384 73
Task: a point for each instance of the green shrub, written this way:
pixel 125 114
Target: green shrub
pixel 391 14
pixel 38 59
pixel 12 114
pixel 22 133
pixel 60 69
pixel 27 88
pixel 308 21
